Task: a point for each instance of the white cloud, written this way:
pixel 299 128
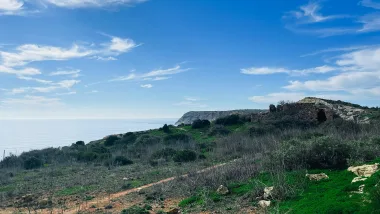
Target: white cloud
pixel 91 3
pixel 31 101
pixel 146 86
pixel 120 45
pixel 155 75
pixel 268 70
pixel 23 71
pixel 344 49
pixel 367 59
pixel 310 14
pixel 370 22
pixel 100 58
pixel 72 73
pixel 11 7
pixel 35 79
pixel 263 70
pixel 371 3
pixel 53 86
pixel 340 82
pixel 66 93
pixel 25 54
pixel 192 102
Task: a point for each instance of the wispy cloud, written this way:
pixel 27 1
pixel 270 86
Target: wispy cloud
pixel 71 73
pixel 146 86
pixel 26 7
pixel 273 70
pixel 53 86
pixel 342 49
pixel 66 93
pixel 370 3
pixel 91 3
pixel 154 75
pixel 192 102
pixel 310 13
pixel 20 71
pixel 32 101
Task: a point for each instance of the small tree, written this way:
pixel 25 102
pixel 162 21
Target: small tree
pixel 165 128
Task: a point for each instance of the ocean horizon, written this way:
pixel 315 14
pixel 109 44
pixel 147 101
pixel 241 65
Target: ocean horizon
pixel 21 135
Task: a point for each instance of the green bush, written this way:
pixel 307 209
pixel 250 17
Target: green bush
pixel 122 161
pixel 33 163
pixel 179 137
pixel 80 143
pixel 185 156
pixel 165 128
pixel 218 130
pixel 135 210
pixel 166 153
pixel 128 138
pixel 110 141
pixel 200 124
pixel 229 120
pixel 147 140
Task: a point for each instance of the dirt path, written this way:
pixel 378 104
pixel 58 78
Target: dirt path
pixel 87 205
pixel 96 201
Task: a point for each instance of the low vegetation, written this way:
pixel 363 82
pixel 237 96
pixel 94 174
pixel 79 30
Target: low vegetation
pixel 277 151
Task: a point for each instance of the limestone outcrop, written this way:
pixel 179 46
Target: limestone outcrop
pixel 191 116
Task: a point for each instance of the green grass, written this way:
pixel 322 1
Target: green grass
pixel 192 200
pixel 7 188
pixel 332 195
pixel 74 190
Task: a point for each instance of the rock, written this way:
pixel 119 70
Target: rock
pixel 174 211
pixel 222 190
pixel 264 204
pixel 317 177
pixel 364 170
pixel 191 116
pixel 357 179
pixel 268 192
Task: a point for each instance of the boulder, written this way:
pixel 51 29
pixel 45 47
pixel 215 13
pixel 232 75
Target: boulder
pixel 268 192
pixel 264 204
pixel 317 177
pixel 357 179
pixel 222 190
pixel 364 170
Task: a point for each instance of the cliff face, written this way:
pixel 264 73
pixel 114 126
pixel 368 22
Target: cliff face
pixel 191 116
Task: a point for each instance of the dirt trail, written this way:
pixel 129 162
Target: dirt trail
pixel 105 200
pixel 87 205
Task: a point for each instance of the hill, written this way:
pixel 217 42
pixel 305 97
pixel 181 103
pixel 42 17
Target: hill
pixel 250 154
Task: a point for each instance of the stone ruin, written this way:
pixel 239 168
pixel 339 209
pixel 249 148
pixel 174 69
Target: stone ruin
pixel 315 109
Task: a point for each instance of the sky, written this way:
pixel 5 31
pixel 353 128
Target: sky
pixel 129 59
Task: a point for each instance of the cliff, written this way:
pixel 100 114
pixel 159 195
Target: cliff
pixel 191 116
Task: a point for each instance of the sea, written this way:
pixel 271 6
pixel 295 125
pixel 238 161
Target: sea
pixel 17 136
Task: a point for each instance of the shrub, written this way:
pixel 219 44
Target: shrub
pixel 147 140
pixel 122 161
pixel 135 210
pixel 128 138
pixel 110 141
pixel 33 163
pixel 80 143
pixel 173 138
pixel 164 153
pixel 87 156
pixel 229 120
pixel 200 124
pixel 218 130
pixel 165 128
pixel 185 156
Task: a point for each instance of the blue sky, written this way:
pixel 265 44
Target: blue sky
pixel 162 58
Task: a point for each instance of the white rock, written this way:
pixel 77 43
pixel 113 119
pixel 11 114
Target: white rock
pixel 357 179
pixel 268 192
pixel 264 204
pixel 364 170
pixel 317 177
